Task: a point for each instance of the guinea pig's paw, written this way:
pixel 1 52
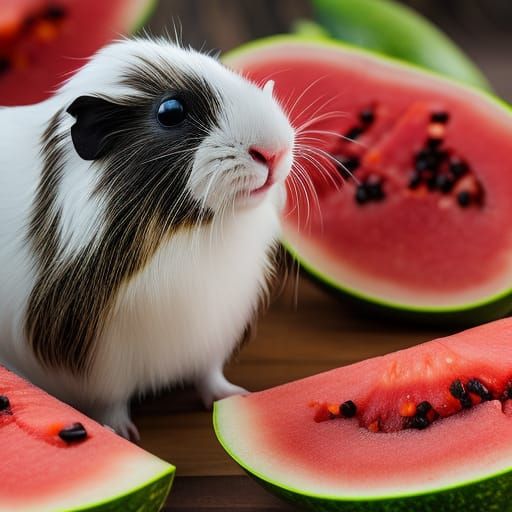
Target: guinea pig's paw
pixel 129 431
pixel 118 419
pixel 216 387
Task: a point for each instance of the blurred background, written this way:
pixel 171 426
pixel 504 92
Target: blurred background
pixel 481 27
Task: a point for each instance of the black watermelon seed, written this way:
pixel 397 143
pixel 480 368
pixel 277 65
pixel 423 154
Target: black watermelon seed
pixel 440 155
pixel 4 403
pixel 434 160
pixel 428 159
pixel 361 194
pixel 350 164
pixel 374 188
pixel 464 198
pixel 354 133
pixel 458 167
pixel 475 386
pixel 466 403
pixel 459 392
pixel 5 65
pixel 444 183
pixel 55 12
pixel 434 143
pixel 418 422
pixel 440 117
pixel 344 173
pixel 74 433
pixel 422 154
pixel 423 408
pixel 421 165
pixel 414 180
pixel 432 182
pixel 457 389
pixel 348 409
pixel 367 116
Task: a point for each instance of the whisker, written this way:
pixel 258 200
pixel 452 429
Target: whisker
pixel 333 159
pixel 314 195
pixel 298 173
pixel 301 95
pixel 338 135
pixel 322 171
pixel 322 117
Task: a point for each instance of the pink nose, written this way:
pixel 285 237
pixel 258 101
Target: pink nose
pixel 264 156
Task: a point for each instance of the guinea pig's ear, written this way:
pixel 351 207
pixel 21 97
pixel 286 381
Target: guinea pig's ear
pixel 95 119
pixel 268 88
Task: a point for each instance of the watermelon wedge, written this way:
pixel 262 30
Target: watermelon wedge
pixel 55 458
pixel 422 429
pixel 400 195
pixel 43 41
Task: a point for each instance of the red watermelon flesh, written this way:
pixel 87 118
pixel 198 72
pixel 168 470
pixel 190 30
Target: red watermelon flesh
pixel 43 41
pixel 278 435
pixel 40 471
pixel 442 243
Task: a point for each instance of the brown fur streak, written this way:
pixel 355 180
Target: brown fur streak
pixel 145 202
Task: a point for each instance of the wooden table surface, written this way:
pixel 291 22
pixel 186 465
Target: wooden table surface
pixel 301 334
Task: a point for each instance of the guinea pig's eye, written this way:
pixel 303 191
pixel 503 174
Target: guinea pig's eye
pixel 171 112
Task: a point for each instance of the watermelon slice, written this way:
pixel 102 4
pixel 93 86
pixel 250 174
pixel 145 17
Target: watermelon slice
pixel 422 429
pixel 423 226
pixel 42 41
pixel 55 458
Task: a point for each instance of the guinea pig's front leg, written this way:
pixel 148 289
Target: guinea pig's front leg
pixel 212 386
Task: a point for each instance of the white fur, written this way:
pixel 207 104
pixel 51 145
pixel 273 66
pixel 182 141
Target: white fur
pixel 181 317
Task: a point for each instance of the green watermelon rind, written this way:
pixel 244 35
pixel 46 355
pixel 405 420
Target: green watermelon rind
pixel 491 308
pixel 147 497
pixel 490 493
pixel 147 10
pixel 488 308
pixel 395 29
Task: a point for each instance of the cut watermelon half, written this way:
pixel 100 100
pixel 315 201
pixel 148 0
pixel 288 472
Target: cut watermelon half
pixel 55 458
pixel 424 225
pixel 423 429
pixel 43 41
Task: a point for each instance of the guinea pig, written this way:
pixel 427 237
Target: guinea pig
pixel 139 212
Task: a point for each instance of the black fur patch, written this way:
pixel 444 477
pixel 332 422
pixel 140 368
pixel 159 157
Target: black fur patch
pixel 144 170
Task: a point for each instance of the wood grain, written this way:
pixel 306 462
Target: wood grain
pixel 238 493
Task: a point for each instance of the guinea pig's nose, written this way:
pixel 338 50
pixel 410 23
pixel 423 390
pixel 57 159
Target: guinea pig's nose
pixel 263 156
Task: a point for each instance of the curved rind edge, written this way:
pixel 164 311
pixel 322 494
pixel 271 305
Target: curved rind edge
pixel 470 496
pixel 473 313
pixel 147 497
pixel 342 45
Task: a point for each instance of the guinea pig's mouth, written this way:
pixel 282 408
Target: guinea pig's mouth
pixel 263 188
